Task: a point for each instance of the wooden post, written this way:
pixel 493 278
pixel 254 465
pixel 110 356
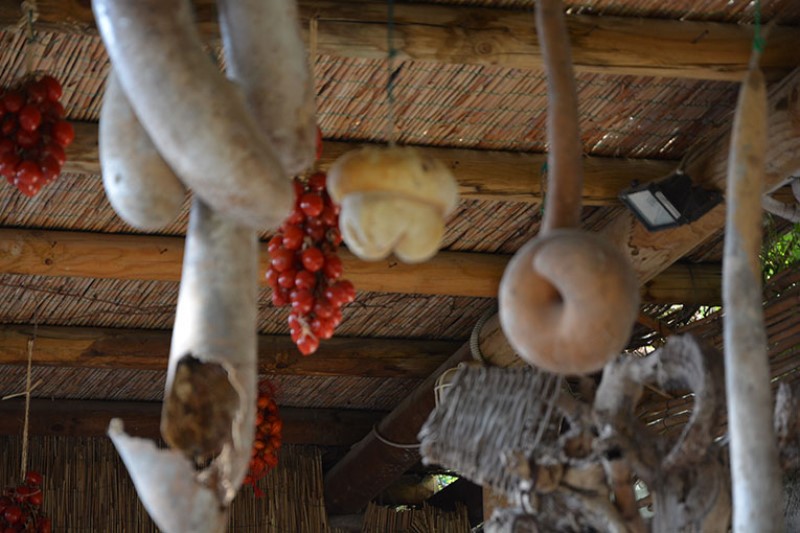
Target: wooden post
pixel 373 464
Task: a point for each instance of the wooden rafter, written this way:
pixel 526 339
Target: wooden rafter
pixel 481 174
pixel 149 257
pixel 89 418
pixel 148 350
pixel 485 36
pixel 371 465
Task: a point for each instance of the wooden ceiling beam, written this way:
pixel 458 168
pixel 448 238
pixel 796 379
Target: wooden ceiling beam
pixel 143 349
pixel 486 36
pixel 371 465
pixel 481 174
pixel 150 257
pixel 89 418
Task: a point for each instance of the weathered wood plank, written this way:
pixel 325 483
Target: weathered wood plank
pixel 89 418
pixel 150 257
pixel 486 36
pixel 149 349
pixel 481 174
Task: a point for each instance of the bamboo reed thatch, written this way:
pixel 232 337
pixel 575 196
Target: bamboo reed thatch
pixel 87 489
pixel 369 393
pixel 379 519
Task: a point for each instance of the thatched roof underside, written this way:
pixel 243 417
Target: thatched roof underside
pixel 462 106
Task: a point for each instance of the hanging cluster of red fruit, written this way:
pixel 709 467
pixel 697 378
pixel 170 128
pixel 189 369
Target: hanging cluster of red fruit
pixel 269 427
pixel 304 269
pixel 21 507
pixel 33 134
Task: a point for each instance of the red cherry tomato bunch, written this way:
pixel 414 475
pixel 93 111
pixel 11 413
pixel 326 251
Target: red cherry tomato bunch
pixel 33 134
pixel 304 269
pixel 21 507
pixel 269 427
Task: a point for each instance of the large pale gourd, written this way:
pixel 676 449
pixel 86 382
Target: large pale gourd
pixel 568 299
pixel 392 200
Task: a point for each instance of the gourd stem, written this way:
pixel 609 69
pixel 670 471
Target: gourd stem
pixel 565 166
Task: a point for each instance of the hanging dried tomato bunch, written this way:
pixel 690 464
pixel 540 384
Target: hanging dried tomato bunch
pixel 33 134
pixel 268 438
pixel 305 269
pixel 21 507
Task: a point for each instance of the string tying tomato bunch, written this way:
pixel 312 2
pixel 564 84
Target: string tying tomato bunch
pixel 21 507
pixel 305 269
pixel 33 134
pixel 267 443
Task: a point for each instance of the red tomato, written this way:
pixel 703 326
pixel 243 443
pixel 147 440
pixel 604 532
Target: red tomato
pixel 311 203
pixel 56 151
pixel 30 118
pixel 53 86
pixel 53 109
pixel 333 267
pixel 37 92
pixel 9 126
pixel 329 217
pixel 282 259
pixel 323 309
pixel 29 172
pixel 28 139
pixel 322 328
pixel 44 525
pixel 274 243
pixel 286 278
pixel 337 316
pixel 317 181
pixel 313 259
pixel 317 233
pixel 272 277
pixel 12 514
pixel 50 168
pixel 8 165
pixel 13 101
pixel 305 280
pixel 279 298
pixel 63 133
pixel 307 345
pixel 349 290
pixel 336 295
pixel 293 237
pixel 302 301
pixel 36 498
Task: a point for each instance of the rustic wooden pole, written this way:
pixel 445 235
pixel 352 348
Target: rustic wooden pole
pixel 481 174
pixel 755 473
pixel 152 257
pixel 387 451
pixel 503 37
pixel 90 418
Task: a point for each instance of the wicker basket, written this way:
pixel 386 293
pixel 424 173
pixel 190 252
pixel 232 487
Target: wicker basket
pixel 488 417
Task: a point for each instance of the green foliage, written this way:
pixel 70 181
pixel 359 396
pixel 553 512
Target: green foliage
pixel 781 249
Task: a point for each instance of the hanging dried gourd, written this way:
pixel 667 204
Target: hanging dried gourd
pixel 232 148
pixel 568 299
pixel 755 471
